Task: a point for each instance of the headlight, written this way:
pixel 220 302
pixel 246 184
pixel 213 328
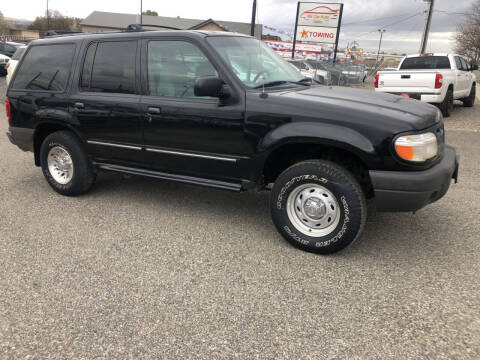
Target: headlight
pixel 417 148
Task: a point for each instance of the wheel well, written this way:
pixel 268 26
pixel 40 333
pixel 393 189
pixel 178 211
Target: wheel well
pixel 287 155
pixel 41 132
pixel 450 87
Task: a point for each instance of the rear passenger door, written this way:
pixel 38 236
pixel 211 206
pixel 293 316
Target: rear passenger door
pixel 461 73
pixel 106 103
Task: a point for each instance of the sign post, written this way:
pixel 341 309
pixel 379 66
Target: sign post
pixel 318 23
pixel 338 33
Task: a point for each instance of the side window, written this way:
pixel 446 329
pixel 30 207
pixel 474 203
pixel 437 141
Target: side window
pixel 173 67
pixel 110 67
pixel 45 67
pixel 2 46
pixel 458 63
pixel 464 64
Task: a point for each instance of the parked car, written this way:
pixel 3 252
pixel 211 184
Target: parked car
pixel 3 64
pixel 8 48
pixel 319 75
pixel 433 78
pixel 12 64
pixel 336 76
pixel 223 110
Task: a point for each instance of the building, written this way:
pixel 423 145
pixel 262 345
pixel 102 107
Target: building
pixel 18 35
pixel 99 21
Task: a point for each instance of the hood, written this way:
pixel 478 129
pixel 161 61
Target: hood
pixel 368 105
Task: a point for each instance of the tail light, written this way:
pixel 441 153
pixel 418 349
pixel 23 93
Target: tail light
pixel 376 80
pixel 9 110
pixel 6 66
pixel 438 81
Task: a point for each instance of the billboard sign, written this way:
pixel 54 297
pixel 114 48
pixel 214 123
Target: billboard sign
pixel 318 23
pixel 313 14
pixel 324 35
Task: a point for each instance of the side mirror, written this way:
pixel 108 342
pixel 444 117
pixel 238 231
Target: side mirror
pixel 209 86
pixel 473 67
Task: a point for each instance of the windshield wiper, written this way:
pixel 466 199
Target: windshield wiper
pixel 302 82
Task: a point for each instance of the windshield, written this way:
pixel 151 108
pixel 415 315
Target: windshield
pixel 253 62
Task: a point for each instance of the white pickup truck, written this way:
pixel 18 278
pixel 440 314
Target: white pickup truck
pixel 433 78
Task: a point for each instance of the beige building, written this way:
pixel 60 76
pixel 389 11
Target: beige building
pixel 100 21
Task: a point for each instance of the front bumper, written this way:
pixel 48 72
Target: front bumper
pixel 413 190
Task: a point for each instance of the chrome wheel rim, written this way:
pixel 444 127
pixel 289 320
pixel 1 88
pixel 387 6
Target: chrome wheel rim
pixel 313 210
pixel 60 165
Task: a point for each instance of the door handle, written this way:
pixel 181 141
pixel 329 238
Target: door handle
pixel 154 110
pixel 79 105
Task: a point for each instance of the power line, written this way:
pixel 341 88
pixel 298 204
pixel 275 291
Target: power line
pixel 376 19
pixel 394 23
pixel 451 12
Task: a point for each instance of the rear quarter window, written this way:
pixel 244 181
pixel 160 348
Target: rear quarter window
pixel 426 63
pixel 45 67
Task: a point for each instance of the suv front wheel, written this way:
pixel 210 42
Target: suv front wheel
pixel 318 206
pixel 65 164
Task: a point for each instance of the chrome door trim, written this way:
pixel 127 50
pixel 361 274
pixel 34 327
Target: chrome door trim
pixel 131 147
pixel 212 157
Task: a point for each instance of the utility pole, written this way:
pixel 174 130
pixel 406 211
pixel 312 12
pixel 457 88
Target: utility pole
pixel 423 46
pixel 254 13
pixel 381 31
pixel 48 18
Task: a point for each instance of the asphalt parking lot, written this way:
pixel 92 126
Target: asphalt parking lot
pixel 139 268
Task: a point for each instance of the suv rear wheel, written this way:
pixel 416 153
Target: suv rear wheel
pixel 65 164
pixel 318 206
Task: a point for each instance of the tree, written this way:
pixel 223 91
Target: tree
pixel 150 12
pixel 468 35
pixel 56 21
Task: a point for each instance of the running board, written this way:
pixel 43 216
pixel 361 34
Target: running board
pixel 173 177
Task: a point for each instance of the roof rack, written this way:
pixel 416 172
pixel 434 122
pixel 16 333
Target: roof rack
pixel 140 27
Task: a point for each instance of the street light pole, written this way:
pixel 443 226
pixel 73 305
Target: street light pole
pixel 141 12
pixel 381 31
pixel 48 18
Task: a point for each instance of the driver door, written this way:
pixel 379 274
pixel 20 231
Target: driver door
pixel 185 134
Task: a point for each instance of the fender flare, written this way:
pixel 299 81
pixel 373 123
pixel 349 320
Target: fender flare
pixel 326 134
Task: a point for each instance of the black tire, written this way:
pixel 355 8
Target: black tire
pixel 352 207
pixel 446 106
pixel 470 100
pixel 83 175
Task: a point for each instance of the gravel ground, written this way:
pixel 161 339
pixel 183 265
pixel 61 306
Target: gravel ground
pixel 140 268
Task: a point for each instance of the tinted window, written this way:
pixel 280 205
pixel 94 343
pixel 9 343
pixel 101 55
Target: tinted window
pixel 18 53
pixel 45 67
pixel 113 67
pixel 173 67
pixel 464 64
pixel 458 63
pixel 426 62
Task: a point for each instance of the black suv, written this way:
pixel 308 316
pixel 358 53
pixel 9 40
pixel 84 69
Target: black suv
pixel 223 110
